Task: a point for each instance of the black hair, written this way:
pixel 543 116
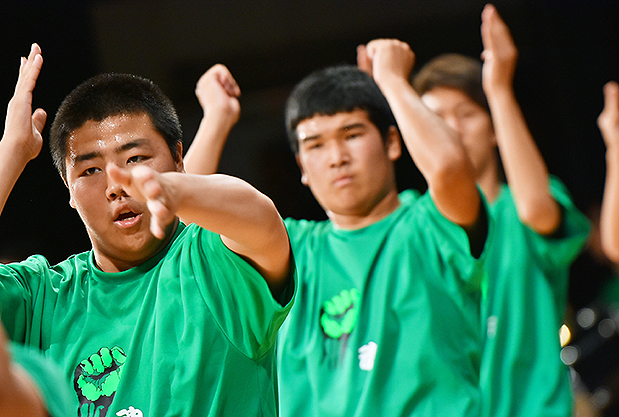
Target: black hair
pixel 342 88
pixel 106 95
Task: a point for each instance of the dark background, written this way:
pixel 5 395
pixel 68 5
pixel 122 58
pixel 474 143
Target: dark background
pixel 568 50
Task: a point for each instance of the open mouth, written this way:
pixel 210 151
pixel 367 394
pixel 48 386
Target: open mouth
pixel 127 218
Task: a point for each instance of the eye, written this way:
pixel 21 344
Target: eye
pixel 312 144
pixel 89 171
pixel 137 159
pixel 465 113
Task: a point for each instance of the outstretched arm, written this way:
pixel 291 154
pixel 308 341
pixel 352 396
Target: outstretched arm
pixel 218 94
pixel 525 169
pixel 434 147
pixel 246 219
pixel 22 140
pixel 608 122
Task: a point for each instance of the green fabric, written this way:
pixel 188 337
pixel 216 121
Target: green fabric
pixel 59 399
pixel 191 332
pixel 406 288
pixel 523 305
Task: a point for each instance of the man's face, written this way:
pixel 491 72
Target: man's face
pixel 118 225
pixel 470 121
pixel 345 162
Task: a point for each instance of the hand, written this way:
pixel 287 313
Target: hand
pixel 500 53
pixel 382 58
pixel 339 315
pixel 145 184
pixel 99 375
pixel 217 91
pixel 21 124
pixel 608 120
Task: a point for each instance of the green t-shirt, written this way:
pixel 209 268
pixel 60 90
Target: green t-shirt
pixel 523 307
pixel 386 318
pixel 191 332
pixel 54 388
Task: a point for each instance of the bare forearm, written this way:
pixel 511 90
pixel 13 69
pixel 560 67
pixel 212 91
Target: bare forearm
pixel 205 151
pixel 19 396
pixel 437 152
pixel 247 220
pixel 609 217
pixel 220 203
pixel 525 168
pixel 12 164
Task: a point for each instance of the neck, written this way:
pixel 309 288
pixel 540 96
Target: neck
pixel 107 262
pixel 490 181
pixel 364 217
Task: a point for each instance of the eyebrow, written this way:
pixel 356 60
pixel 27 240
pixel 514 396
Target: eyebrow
pixel 340 129
pixel 122 148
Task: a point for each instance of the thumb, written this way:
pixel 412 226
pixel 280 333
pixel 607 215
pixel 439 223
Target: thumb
pixel 363 60
pixel 39 117
pixel 611 94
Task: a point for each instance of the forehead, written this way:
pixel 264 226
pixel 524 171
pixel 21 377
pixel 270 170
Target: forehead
pixel 322 124
pixel 444 98
pixel 113 131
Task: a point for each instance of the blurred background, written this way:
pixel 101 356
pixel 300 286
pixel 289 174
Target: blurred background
pixel 568 50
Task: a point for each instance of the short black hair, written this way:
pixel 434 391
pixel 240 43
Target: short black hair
pixel 112 94
pixel 336 89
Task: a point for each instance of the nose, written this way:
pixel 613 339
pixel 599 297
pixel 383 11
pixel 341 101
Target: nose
pixel 453 123
pixel 114 188
pixel 338 153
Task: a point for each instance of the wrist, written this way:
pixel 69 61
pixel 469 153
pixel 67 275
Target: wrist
pixel 17 151
pixel 612 151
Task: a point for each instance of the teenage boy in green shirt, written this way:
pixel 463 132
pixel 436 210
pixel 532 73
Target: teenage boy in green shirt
pixel 386 320
pixel 538 230
pixel 160 317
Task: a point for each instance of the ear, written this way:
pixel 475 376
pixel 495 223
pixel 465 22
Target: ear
pixel 180 165
pixel 71 200
pixel 393 144
pixel 304 179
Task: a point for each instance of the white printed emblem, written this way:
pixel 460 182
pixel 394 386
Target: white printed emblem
pixel 492 326
pixel 367 354
pixel 131 412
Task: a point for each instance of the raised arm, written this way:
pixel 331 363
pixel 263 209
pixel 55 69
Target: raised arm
pixel 246 219
pixel 434 147
pixel 608 122
pixel 22 140
pixel 218 94
pixel 525 169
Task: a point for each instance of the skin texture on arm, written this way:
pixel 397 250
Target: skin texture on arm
pixel 525 169
pixel 608 122
pixel 434 147
pixel 18 394
pixel 22 140
pixel 218 94
pixel 247 220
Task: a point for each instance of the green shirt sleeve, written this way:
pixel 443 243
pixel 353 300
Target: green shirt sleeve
pixel 237 295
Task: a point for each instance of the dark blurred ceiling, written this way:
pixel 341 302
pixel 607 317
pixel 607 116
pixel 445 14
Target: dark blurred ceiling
pixel 568 49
